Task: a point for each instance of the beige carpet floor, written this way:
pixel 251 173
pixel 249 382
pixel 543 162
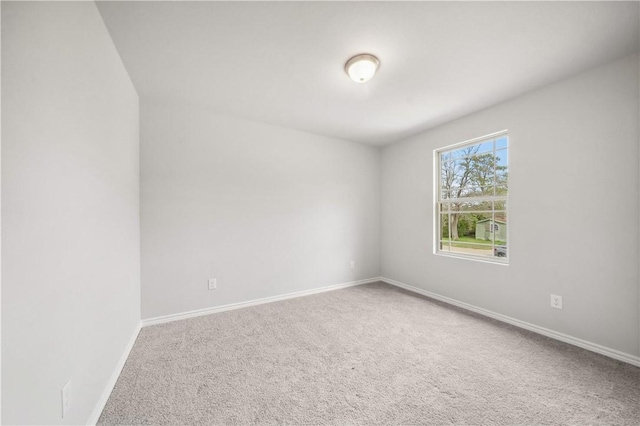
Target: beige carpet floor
pixel 371 354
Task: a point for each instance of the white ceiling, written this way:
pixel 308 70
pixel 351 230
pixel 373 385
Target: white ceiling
pixel 282 62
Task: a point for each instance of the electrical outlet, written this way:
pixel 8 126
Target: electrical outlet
pixel 66 399
pixel 213 283
pixel 556 301
pixel 353 264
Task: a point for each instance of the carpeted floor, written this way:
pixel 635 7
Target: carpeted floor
pixel 371 354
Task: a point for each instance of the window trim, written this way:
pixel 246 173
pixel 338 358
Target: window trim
pixel 436 201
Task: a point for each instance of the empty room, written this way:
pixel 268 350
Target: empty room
pixel 320 213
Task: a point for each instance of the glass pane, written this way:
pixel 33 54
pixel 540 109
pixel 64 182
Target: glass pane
pixel 464 228
pixel 500 251
pixel 485 191
pixel 478 171
pixel 462 152
pixel 485 250
pixel 460 172
pixel 447 174
pixel 500 228
pixel 446 156
pixel 502 190
pixel 453 192
pixel 502 172
pixel 472 206
pixel 481 170
pixel 502 142
pixel 502 158
pixel 500 235
pixel 487 229
pixel 470 150
pixel 444 227
pixel 500 206
pixel 484 147
pixel 471 191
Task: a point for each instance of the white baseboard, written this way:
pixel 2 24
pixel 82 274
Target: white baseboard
pixel 612 353
pixel 207 311
pixel 95 415
pixel 594 347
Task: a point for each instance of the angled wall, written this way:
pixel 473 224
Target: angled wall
pixel 70 210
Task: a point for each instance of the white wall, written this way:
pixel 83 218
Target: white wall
pixel 70 210
pixel 573 209
pixel 265 210
pixel 0 217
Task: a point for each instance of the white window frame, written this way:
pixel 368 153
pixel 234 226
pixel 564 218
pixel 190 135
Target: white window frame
pixel 438 201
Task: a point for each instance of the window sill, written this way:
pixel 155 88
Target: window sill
pixel 494 261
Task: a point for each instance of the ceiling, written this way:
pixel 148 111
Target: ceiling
pixel 282 62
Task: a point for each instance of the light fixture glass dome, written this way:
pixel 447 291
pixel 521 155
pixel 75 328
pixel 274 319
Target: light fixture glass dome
pixel 361 68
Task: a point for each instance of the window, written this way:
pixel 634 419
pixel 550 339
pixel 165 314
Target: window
pixel 471 199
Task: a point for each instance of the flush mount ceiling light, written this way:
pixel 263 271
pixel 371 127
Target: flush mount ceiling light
pixel 361 68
